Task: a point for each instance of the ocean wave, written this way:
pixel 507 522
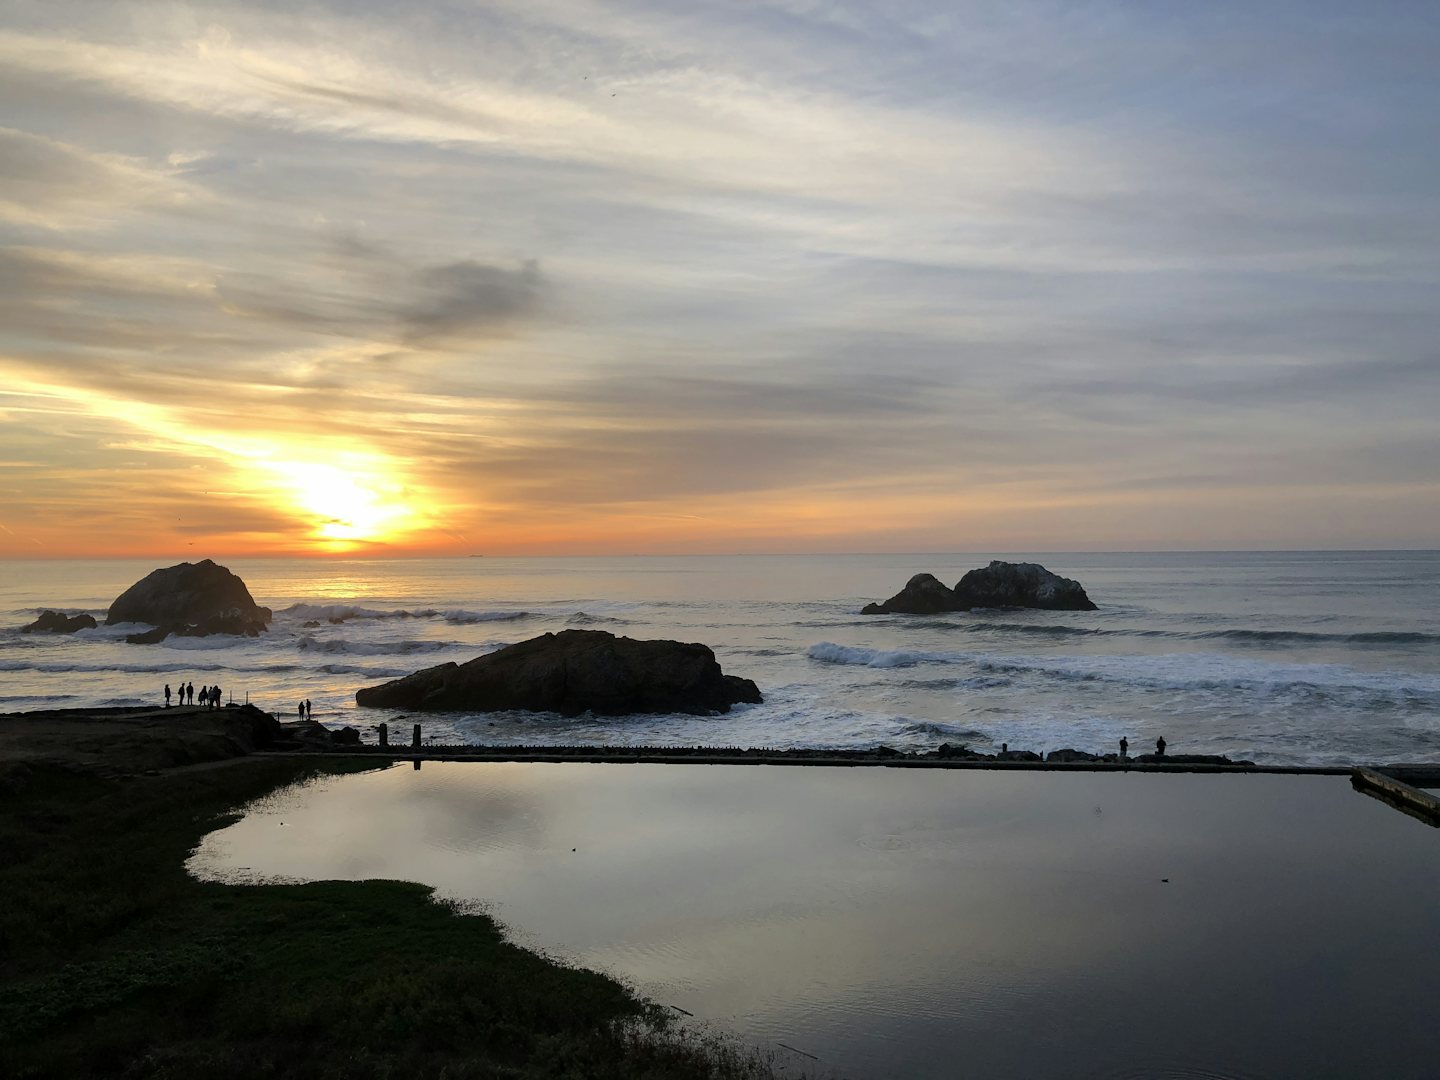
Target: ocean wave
pixel 933 729
pixel 68 667
pixel 581 618
pixel 1209 671
pixel 1381 637
pixel 1163 671
pixel 1239 635
pixel 210 643
pixel 346 612
pixel 828 652
pixel 368 672
pixel 340 646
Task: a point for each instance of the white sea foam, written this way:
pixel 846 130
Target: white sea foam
pixel 829 653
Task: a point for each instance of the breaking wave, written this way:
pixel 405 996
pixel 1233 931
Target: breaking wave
pixel 346 612
pixel 1238 635
pixel 1167 671
pixel 340 646
pixel 931 729
pixel 829 653
pixel 581 618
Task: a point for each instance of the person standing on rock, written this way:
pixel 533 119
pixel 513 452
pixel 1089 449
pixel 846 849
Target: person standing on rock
pixel 167 695
pixel 1124 747
pixel 190 692
pixel 216 695
pixel 1160 746
pixel 309 712
pixel 300 710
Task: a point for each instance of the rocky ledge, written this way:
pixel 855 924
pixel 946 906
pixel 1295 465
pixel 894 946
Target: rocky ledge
pixel 189 600
pixel 573 672
pixel 999 585
pixel 57 622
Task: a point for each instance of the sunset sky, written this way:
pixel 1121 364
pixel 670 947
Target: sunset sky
pixel 552 276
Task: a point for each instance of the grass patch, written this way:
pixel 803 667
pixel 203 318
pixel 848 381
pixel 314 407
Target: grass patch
pixel 115 962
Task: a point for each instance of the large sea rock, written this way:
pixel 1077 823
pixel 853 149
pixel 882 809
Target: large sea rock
pixel 1026 584
pixel 924 594
pixel 999 585
pixel 191 599
pixel 573 672
pixel 57 622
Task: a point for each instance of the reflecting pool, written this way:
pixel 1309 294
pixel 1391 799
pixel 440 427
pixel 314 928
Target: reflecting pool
pixel 929 923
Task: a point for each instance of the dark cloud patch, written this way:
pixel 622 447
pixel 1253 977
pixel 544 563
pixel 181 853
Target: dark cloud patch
pixel 462 299
pixel 367 293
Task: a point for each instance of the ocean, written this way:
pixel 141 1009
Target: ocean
pixel 1279 657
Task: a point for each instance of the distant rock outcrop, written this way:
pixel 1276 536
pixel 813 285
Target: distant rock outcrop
pixel 999 585
pixel 924 594
pixel 190 600
pixel 1026 584
pixel 573 672
pixel 55 622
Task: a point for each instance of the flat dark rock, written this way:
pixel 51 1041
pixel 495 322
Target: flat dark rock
pixel 573 672
pixel 56 622
pixel 190 599
pixel 999 585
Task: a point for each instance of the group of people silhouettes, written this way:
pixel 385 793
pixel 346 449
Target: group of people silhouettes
pixel 1159 747
pixel 209 695
pixel 210 698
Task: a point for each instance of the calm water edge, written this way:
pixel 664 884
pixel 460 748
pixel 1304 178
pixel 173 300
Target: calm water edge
pixel 929 924
pixel 1281 657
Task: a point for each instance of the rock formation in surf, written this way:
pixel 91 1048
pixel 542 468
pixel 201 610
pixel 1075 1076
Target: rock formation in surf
pixel 999 585
pixel 190 600
pixel 573 672
pixel 924 594
pixel 57 622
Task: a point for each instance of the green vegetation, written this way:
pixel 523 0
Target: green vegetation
pixel 114 962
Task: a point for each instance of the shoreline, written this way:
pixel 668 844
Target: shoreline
pixel 120 739
pixel 707 755
pixel 115 958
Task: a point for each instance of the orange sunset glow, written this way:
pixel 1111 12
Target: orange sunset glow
pixel 273 285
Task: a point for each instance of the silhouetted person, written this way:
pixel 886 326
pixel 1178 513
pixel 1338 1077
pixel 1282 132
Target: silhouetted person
pixel 1004 748
pixel 167 695
pixel 216 695
pixel 1160 746
pixel 300 710
pixel 1124 746
pixel 309 712
pixel 190 692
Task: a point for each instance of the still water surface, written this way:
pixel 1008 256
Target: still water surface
pixel 929 923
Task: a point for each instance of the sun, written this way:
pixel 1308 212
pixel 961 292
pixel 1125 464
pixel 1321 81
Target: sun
pixel 348 505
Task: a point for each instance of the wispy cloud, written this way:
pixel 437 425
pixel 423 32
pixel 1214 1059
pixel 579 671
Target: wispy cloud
pixel 561 275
